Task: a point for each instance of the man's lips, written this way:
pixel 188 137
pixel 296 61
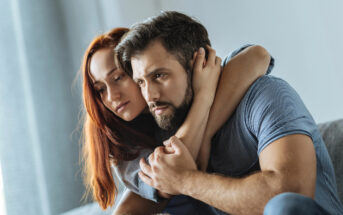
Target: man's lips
pixel 121 106
pixel 160 109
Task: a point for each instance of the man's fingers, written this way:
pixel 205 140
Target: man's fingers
pixel 158 153
pixel 166 143
pixel 145 178
pixel 146 169
pixel 169 150
pixel 177 145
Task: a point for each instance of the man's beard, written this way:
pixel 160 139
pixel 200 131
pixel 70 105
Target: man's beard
pixel 177 115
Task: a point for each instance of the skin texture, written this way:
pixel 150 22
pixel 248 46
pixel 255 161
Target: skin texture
pixel 236 77
pixel 287 165
pixel 112 83
pixel 158 72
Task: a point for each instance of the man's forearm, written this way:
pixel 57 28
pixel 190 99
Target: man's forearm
pixel 246 195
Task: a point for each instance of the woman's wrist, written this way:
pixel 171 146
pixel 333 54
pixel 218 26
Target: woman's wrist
pixel 203 98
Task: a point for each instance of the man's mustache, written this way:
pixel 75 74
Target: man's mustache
pixel 157 104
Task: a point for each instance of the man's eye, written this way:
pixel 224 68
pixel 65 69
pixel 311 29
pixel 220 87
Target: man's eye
pixel 139 82
pixel 159 75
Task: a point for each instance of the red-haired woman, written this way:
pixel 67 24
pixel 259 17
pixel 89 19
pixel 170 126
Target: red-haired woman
pixel 119 130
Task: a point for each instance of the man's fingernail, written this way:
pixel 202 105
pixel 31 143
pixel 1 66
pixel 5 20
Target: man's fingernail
pixel 201 50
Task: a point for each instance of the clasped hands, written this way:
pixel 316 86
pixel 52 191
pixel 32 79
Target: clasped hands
pixel 170 165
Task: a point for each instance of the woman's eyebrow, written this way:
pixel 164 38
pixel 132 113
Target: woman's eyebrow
pixel 108 74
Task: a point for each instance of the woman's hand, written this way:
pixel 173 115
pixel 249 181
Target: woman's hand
pixel 206 74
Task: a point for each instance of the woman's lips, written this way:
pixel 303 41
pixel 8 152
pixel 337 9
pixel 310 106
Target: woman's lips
pixel 121 106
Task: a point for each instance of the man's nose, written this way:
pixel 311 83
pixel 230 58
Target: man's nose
pixel 151 92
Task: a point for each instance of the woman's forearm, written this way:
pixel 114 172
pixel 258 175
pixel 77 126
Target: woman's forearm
pixel 237 76
pixel 192 130
pixel 204 82
pixel 204 118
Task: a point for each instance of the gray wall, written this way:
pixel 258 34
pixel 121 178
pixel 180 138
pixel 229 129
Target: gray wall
pixel 42 43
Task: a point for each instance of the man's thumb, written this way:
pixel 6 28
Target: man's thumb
pixel 176 144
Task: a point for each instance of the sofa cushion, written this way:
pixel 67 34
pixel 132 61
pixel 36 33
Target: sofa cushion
pixel 332 133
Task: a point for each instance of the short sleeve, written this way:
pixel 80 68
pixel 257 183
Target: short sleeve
pixel 235 52
pixel 127 172
pixel 275 110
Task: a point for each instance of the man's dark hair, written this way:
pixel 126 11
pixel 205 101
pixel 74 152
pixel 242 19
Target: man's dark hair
pixel 180 35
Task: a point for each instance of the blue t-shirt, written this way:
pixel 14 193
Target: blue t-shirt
pixel 270 109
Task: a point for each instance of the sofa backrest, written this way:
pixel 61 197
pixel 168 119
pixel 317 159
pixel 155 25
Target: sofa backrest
pixel 332 133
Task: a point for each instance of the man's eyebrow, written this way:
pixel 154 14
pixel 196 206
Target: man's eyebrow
pixel 151 73
pixel 157 70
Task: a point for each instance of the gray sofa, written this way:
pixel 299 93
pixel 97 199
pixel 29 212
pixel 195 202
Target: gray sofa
pixel 332 133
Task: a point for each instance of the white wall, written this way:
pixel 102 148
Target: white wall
pixel 305 37
pixel 51 36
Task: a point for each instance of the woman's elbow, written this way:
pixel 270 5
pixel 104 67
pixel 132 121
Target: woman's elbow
pixel 263 58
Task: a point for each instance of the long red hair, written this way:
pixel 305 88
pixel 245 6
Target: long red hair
pixel 107 139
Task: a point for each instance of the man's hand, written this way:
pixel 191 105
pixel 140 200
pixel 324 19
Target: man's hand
pixel 169 166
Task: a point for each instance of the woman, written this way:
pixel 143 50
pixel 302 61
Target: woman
pixel 118 127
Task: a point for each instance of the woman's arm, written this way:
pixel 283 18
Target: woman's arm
pixel 236 77
pixel 204 82
pixel 241 71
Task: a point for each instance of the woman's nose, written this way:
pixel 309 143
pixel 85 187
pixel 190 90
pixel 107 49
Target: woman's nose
pixel 113 94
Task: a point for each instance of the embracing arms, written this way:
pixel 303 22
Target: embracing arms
pixel 236 77
pixel 205 118
pixel 287 165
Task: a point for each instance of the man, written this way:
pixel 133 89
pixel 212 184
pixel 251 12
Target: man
pixel 269 151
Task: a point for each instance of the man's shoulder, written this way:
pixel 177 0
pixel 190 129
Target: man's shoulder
pixel 268 87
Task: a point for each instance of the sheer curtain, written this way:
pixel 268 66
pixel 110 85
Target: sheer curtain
pixel 41 48
pixel 39 154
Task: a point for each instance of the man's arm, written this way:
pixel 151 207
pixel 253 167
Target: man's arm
pixel 236 77
pixel 287 165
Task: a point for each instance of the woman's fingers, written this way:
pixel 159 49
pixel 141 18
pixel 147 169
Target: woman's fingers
pixel 199 60
pixel 218 60
pixel 211 59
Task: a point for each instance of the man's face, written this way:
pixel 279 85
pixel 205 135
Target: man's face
pixel 164 84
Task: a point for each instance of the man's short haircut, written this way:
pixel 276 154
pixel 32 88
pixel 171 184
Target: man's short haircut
pixel 180 35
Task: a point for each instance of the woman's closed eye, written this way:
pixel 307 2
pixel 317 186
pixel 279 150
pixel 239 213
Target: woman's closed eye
pixel 119 77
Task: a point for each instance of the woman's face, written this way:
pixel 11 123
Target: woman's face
pixel 118 91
